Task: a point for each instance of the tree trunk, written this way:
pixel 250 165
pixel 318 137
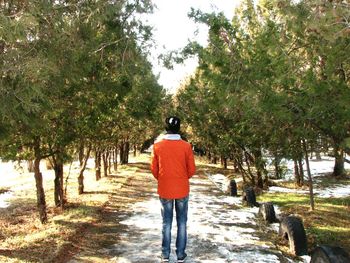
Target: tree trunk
pixel 48 164
pixel 235 166
pixel 40 194
pixel 59 192
pixel 239 162
pixel 98 165
pixel 296 173
pixel 260 168
pixel 135 150
pixel 105 157
pixel 311 191
pixel 301 170
pixel 250 174
pixel 110 154
pixel 30 165
pixel 209 156
pixel 115 159
pixel 81 172
pixel 126 153
pixel 124 148
pixel 278 170
pixel 121 153
pixel 81 154
pixel 318 155
pixel 338 169
pixel 224 162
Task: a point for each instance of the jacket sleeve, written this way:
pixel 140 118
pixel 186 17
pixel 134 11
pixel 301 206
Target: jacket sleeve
pixel 154 164
pixel 191 167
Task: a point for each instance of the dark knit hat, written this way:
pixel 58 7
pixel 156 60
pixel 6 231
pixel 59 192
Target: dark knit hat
pixel 172 124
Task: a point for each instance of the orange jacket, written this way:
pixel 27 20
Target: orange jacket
pixel 172 165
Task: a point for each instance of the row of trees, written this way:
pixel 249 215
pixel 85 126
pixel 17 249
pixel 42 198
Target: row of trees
pixel 74 79
pixel 273 81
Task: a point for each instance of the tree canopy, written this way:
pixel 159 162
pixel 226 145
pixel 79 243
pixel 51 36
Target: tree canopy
pixel 274 76
pixel 74 75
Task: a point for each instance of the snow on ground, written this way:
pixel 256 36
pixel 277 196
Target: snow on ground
pixel 337 191
pixel 15 178
pixel 317 168
pixel 219 230
pixel 220 180
pixel 4 199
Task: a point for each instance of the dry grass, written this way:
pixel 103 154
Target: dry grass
pixel 24 239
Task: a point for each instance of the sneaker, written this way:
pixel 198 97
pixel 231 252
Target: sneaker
pixel 181 260
pixel 164 260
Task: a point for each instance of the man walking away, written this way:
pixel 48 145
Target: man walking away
pixel 173 165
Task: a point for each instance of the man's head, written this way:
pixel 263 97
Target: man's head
pixel 172 124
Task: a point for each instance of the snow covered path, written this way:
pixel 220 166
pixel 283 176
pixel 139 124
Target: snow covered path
pixel 219 230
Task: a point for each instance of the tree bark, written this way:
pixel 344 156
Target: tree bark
pixel 239 162
pixel 105 157
pixel 30 165
pixel 110 154
pixel 301 170
pixel 98 165
pixel 126 153
pixel 40 194
pixel 115 159
pixel 48 164
pixel 81 172
pixel 311 191
pixel 81 154
pixel 209 156
pixel 121 153
pixel 224 162
pixel 135 150
pixel 124 148
pixel 59 192
pixel 276 162
pixel 250 174
pixel 296 173
pixel 338 169
pixel 260 168
pixel 318 155
pixel 235 166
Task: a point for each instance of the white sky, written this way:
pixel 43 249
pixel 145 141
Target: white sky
pixel 173 29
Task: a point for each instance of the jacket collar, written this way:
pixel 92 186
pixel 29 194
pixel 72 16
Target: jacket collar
pixel 171 137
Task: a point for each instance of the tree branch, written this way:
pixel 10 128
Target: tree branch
pixel 103 46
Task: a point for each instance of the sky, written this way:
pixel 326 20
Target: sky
pixel 173 29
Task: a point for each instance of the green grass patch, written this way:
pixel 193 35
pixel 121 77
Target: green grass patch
pixel 328 224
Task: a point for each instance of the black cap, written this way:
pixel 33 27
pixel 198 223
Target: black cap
pixel 172 124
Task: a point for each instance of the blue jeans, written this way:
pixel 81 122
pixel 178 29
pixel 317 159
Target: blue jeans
pixel 181 207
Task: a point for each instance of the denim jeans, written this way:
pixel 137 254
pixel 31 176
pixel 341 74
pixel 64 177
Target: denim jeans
pixel 181 208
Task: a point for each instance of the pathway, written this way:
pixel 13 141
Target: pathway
pixel 219 228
